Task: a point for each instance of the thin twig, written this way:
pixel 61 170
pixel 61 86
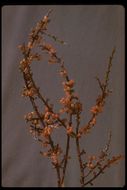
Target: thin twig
pixel 67 152
pixel 79 151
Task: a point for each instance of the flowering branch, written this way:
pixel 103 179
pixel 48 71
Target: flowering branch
pixel 43 123
pixel 100 101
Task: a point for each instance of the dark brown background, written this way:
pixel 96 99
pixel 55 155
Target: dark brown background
pixel 91 33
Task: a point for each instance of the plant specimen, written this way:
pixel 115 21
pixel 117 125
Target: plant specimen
pixel 43 123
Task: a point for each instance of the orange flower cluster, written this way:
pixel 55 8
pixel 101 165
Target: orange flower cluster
pixel 51 51
pixel 27 61
pixel 69 130
pixel 29 92
pixel 54 157
pixel 53 154
pixel 46 131
pixel 69 101
pixel 23 65
pixel 69 84
pixel 91 162
pixel 29 116
pixel 50 118
pixel 93 121
pixel 35 131
pixel 32 117
pixel 96 109
pixel 86 129
pixel 40 27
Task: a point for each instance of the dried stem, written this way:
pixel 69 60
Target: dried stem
pixel 65 159
pixel 79 151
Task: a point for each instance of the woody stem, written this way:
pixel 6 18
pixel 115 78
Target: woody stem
pixel 79 151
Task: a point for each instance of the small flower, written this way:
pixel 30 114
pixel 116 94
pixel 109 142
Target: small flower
pixel 47 131
pixel 97 109
pixel 45 19
pixel 67 88
pixel 90 165
pixel 47 115
pixel 93 122
pixel 26 70
pixel 69 130
pixel 79 134
pixel 49 48
pixel 65 101
pixel 23 65
pixel 94 109
pixel 30 45
pixel 29 92
pixel 70 83
pixel 84 130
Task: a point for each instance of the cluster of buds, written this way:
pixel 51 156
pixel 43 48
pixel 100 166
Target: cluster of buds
pixel 49 48
pixel 86 129
pixel 91 162
pixel 96 109
pixel 47 131
pixel 54 157
pixel 53 154
pixel 35 39
pixel 68 85
pixel 50 118
pixel 40 27
pixel 27 61
pixel 23 65
pixel 51 51
pixel 69 130
pixel 93 121
pixel 70 105
pixel 35 130
pixel 30 116
pixel 29 92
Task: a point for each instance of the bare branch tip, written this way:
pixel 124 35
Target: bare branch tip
pixel 49 12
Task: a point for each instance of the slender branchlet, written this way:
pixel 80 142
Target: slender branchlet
pixel 43 123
